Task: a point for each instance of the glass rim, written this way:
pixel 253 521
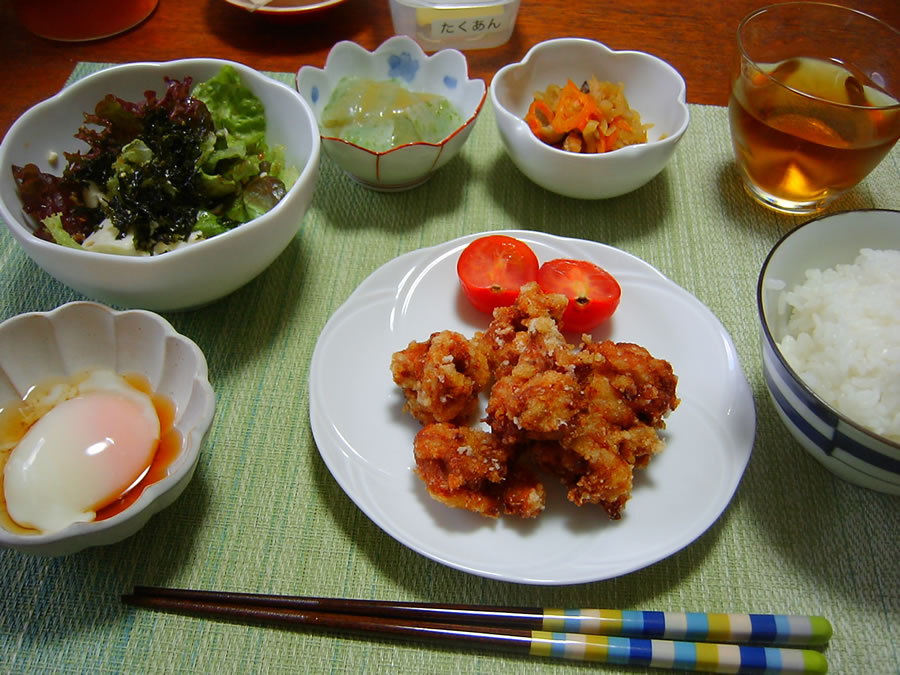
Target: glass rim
pixel 849 106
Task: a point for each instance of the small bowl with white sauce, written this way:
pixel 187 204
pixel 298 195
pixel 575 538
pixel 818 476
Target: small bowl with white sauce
pixel 829 307
pixel 102 417
pixel 392 117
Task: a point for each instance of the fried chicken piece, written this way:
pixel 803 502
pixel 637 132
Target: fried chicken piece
pixel 539 407
pixel 441 377
pixel 522 493
pixel 626 393
pixel 593 472
pixel 526 332
pixel 470 469
pixel 533 395
pixel 646 383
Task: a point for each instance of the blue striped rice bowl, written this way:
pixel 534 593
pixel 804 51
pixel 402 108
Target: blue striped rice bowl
pixel 843 446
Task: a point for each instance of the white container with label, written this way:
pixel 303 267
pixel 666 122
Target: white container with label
pixel 457 24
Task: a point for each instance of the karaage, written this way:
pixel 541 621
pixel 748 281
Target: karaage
pixel 625 394
pixel 525 333
pixel 441 377
pixel 587 414
pixel 471 469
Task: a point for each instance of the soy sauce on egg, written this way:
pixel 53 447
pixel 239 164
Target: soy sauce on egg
pixel 82 449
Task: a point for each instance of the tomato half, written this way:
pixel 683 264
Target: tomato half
pixel 592 291
pixel 492 269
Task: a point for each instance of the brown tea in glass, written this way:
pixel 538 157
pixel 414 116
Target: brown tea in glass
pixel 808 127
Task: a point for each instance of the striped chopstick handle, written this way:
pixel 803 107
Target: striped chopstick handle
pixel 696 656
pixel 768 629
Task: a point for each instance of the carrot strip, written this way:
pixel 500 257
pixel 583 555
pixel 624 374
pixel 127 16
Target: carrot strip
pixel 583 121
pixel 573 110
pixel 539 118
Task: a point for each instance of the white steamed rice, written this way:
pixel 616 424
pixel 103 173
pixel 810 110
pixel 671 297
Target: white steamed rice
pixel 844 338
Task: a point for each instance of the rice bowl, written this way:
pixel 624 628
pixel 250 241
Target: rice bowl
pixel 846 363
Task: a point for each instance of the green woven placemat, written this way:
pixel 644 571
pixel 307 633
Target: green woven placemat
pixel 264 514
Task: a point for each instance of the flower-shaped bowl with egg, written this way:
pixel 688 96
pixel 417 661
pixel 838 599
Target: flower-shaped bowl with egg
pixel 829 311
pixel 652 88
pixel 189 276
pixel 103 416
pixel 401 61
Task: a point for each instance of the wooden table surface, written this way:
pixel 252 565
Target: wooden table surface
pixel 696 37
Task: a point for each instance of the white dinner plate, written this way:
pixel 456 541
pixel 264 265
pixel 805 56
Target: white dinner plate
pixel 366 439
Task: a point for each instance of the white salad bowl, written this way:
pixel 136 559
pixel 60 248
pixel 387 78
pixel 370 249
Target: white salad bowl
pixel 653 88
pixel 842 445
pixel 400 58
pixel 79 336
pixel 188 277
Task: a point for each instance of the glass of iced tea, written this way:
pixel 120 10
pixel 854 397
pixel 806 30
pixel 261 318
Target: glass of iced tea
pixel 814 102
pixel 77 20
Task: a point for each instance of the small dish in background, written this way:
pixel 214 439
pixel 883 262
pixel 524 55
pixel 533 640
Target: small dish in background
pixel 288 11
pixel 653 88
pixel 401 58
pixel 845 447
pixel 80 336
pixel 455 24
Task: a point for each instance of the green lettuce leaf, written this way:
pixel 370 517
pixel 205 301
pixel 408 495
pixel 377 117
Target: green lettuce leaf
pixel 234 108
pixel 60 236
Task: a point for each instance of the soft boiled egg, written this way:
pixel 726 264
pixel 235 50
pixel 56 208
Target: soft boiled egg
pixel 94 440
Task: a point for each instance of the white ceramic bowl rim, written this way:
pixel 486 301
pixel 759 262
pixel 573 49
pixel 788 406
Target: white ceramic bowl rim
pixel 154 491
pixel 822 409
pixel 387 45
pixel 163 66
pixel 563 43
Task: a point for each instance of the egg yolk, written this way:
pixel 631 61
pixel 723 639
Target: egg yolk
pixel 80 456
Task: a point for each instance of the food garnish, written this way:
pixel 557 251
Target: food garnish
pixel 592 118
pixel 593 293
pixel 492 269
pixel 161 172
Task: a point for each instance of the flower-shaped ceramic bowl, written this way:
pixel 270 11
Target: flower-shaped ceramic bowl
pixel 187 277
pixel 79 336
pixel 842 445
pixel 399 58
pixel 652 87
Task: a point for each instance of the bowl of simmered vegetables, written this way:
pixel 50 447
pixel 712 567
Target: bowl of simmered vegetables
pixel 585 121
pixel 392 117
pixel 161 186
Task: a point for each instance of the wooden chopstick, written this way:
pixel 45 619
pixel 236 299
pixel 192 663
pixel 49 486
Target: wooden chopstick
pixel 536 632
pixel 769 629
